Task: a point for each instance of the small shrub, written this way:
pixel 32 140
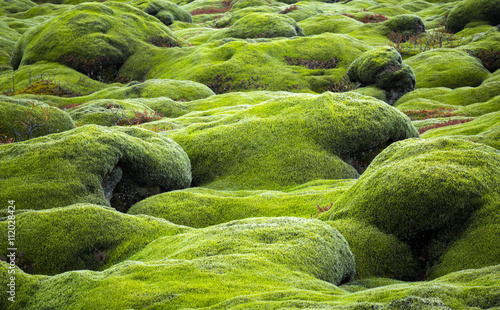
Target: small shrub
pixel 313 64
pixel 25 127
pixel 447 123
pixel 322 209
pixel 489 57
pixel 139 118
pixel 289 9
pixel 422 114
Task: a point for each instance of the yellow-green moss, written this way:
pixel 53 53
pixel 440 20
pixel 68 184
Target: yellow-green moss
pixel 73 166
pixel 427 193
pixel 291 140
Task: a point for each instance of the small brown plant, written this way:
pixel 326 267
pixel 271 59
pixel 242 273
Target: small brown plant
pixel 374 18
pixel 322 209
pixel 289 9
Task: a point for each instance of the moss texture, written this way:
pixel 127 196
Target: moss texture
pixel 93 38
pixel 469 11
pixel 290 140
pixel 84 164
pixel 447 68
pixel 439 188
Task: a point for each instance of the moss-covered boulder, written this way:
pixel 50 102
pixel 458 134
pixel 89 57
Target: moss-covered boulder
pixel 165 11
pixel 447 68
pixel 261 25
pixel 468 11
pixel 22 120
pixel 432 195
pixel 91 164
pixel 405 25
pixel 93 38
pixel 291 140
pixel 83 236
pixel 384 68
pixel 201 268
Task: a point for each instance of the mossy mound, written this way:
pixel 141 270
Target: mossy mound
pixel 438 190
pixel 469 11
pixel 247 65
pixel 384 68
pixel 261 25
pixel 8 39
pixel 83 236
pixel 165 11
pixel 291 140
pixel 447 68
pixel 92 164
pixel 404 24
pixel 204 267
pixel 93 38
pixel 201 207
pixel 22 120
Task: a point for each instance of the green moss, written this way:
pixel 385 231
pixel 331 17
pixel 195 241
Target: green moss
pixel 303 11
pixel 165 11
pixel 21 120
pixel 322 23
pixel 384 68
pixel 469 11
pixel 481 108
pixel 91 38
pixel 237 65
pixel 438 188
pixel 404 24
pixel 447 68
pixel 377 254
pixel 201 207
pixel 484 129
pixel 208 266
pixel 83 236
pixel 462 96
pixel 87 163
pixel 15 6
pixel 289 140
pixel 261 25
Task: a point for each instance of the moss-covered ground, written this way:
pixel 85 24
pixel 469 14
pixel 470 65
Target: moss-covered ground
pixel 249 154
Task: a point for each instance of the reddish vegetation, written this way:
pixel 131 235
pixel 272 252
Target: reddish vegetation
pixel 289 9
pixel 425 114
pixel 322 209
pixel 489 57
pixel 70 106
pixel 403 43
pixel 376 18
pixel 447 123
pixel 140 118
pixel 226 6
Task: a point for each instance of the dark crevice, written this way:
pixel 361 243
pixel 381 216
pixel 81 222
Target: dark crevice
pixel 362 160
